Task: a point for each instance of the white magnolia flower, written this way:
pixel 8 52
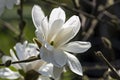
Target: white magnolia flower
pixel 54 35
pixel 25 51
pixel 8 74
pixel 7 4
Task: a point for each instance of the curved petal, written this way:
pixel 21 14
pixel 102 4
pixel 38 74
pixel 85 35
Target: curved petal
pixel 57 72
pixel 10 3
pixel 69 30
pixel 14 59
pixel 46 70
pixel 8 74
pixel 57 13
pixel 77 46
pixel 74 64
pixel 44 26
pixel 55 28
pixel 48 56
pixel 20 49
pixel 37 15
pixel 60 57
pixel 6 58
pixel 43 78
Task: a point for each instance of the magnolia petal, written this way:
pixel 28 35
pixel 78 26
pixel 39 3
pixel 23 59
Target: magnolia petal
pixel 6 58
pixel 40 36
pixel 43 78
pixel 57 13
pixel 44 26
pixel 10 3
pixel 20 49
pixel 37 64
pixel 46 70
pixel 14 58
pixel 48 56
pixel 57 72
pixel 69 30
pixel 37 15
pixel 77 46
pixel 60 57
pixel 55 28
pixel 13 55
pixel 8 74
pixel 74 64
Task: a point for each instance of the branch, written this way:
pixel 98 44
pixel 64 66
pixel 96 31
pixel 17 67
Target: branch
pixel 9 62
pixel 22 22
pixel 101 56
pixel 77 11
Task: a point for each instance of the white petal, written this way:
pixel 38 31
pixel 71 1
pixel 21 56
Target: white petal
pixel 6 58
pixel 10 3
pixel 8 74
pixel 57 72
pixel 40 36
pixel 46 70
pixel 77 46
pixel 43 78
pixel 14 58
pixel 13 55
pixel 57 13
pixel 48 56
pixel 45 28
pixel 37 15
pixel 20 49
pixel 74 64
pixel 69 30
pixel 55 28
pixel 60 57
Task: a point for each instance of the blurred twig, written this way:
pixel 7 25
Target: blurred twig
pixel 22 22
pixel 78 11
pixel 101 56
pixel 9 62
pixel 9 26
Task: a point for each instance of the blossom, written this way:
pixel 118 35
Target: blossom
pixel 26 51
pixel 8 74
pixel 7 4
pixel 54 35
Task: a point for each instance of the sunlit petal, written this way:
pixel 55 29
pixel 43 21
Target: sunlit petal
pixel 57 13
pixel 46 70
pixel 77 46
pixel 8 74
pixel 74 64
pixel 48 56
pixel 37 15
pixel 69 30
pixel 60 57
pixel 55 28
pixel 57 72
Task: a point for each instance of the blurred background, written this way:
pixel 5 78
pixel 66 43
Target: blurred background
pixel 100 25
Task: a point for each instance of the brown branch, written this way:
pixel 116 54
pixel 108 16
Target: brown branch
pixel 78 11
pixel 22 22
pixel 101 56
pixel 9 62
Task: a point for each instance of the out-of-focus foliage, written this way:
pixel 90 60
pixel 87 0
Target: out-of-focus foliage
pixel 100 25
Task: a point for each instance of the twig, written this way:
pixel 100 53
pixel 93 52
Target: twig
pixel 101 56
pixel 22 22
pixel 78 11
pixel 8 63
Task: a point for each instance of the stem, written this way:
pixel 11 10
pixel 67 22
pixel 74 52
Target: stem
pixel 101 56
pixel 22 61
pixel 22 22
